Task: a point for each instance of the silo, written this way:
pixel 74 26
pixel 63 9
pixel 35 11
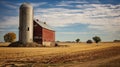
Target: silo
pixel 26 23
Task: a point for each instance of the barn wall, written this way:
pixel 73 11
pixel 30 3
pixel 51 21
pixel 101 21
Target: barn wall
pixel 42 35
pixel 48 36
pixel 37 33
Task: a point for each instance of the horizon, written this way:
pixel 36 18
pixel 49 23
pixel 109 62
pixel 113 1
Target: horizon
pixel 70 19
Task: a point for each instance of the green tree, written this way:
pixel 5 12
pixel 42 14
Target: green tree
pixel 77 40
pixel 10 37
pixel 97 39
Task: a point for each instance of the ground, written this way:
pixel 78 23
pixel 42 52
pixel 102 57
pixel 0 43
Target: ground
pixel 71 55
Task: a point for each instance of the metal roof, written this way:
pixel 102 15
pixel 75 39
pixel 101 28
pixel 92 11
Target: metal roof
pixel 43 24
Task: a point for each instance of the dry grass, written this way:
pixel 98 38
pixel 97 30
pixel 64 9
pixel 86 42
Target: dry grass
pixel 112 63
pixel 45 56
pixel 2 44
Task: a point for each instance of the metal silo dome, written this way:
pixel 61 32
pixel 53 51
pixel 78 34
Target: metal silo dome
pixel 26 5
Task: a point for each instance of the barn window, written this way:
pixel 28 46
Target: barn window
pixel 28 29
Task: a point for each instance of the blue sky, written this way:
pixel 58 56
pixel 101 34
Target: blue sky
pixel 71 19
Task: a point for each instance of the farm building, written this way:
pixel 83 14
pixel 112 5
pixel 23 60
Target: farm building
pixel 32 30
pixel 43 33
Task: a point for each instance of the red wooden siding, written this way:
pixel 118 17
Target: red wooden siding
pixel 41 34
pixel 37 33
pixel 48 35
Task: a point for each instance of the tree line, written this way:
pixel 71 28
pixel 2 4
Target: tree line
pixel 96 39
pixel 11 37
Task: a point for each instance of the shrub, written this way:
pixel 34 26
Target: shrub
pixel 116 40
pixel 56 44
pixel 10 37
pixel 89 41
pixel 77 40
pixel 19 44
pixel 96 39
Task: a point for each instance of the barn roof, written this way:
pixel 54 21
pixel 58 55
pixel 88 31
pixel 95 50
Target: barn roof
pixel 43 24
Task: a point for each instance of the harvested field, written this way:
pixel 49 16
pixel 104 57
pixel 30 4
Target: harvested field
pixel 72 55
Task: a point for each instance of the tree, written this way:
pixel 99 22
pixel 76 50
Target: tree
pixel 10 37
pixel 77 40
pixel 89 41
pixel 116 41
pixel 96 39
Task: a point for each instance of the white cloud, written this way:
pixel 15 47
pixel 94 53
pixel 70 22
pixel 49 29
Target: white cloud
pixel 74 2
pixel 8 22
pixel 104 15
pixel 9 4
pixel 69 3
pixel 63 4
pixel 38 4
pixel 98 16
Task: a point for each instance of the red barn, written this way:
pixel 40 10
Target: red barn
pixel 42 33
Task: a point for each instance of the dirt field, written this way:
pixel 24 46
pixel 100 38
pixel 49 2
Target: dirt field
pixel 72 55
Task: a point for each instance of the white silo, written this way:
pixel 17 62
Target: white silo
pixel 26 23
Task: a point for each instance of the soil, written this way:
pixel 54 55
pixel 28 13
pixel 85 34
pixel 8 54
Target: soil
pixel 108 57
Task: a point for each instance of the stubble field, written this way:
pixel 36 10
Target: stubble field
pixel 71 55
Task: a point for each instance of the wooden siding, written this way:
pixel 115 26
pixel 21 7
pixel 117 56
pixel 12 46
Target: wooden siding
pixel 41 34
pixel 37 33
pixel 48 35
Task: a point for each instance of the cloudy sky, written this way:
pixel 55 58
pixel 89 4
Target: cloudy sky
pixel 70 19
